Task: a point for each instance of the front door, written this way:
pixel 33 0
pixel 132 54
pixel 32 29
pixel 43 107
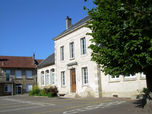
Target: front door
pixel 73 80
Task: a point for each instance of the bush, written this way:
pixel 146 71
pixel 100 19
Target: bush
pixel 35 91
pixel 50 92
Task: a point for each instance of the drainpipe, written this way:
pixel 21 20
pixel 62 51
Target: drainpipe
pixel 12 87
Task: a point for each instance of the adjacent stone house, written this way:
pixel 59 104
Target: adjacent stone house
pixel 77 75
pixel 17 74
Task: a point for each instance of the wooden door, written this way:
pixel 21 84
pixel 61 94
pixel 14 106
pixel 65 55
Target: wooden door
pixel 73 80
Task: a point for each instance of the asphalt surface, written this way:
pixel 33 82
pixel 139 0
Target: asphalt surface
pixel 42 105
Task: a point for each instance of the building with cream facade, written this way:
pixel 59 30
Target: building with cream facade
pixel 77 76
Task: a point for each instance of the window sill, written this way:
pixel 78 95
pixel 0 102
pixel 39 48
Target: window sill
pixel 114 80
pixel 71 59
pixel 130 79
pixel 18 78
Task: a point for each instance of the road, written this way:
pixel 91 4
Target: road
pixel 42 105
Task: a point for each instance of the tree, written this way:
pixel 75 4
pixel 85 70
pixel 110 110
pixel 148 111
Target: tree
pixel 122 37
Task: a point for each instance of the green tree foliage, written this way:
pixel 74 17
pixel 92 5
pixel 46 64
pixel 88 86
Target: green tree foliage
pixel 122 36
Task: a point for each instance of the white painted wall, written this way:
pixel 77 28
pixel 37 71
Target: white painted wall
pixel 82 60
pixel 123 86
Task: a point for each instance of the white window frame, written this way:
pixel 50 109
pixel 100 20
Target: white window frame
pixel 83 46
pixel 53 78
pixel 63 82
pixel 85 75
pixel 71 48
pixel 47 78
pixel 42 79
pixel 18 74
pixel 28 73
pixel 29 88
pixel 62 53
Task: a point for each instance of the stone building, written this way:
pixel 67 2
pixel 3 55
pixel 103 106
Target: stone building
pixel 17 74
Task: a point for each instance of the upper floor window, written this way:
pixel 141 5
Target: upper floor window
pixel 18 74
pixel 85 75
pixel 28 74
pixel 42 78
pixel 63 78
pixel 8 73
pixel 47 78
pixel 83 45
pixel 62 53
pixel 71 50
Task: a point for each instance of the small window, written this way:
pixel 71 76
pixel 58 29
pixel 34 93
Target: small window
pixel 63 78
pixel 130 76
pixel 42 78
pixel 28 74
pixel 53 78
pixel 18 74
pixel 83 46
pixel 28 87
pixel 47 78
pixel 62 53
pixel 85 75
pixel 114 77
pixel 71 49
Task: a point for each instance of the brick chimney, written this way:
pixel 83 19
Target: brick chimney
pixel 68 22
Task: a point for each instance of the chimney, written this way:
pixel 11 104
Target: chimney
pixel 68 22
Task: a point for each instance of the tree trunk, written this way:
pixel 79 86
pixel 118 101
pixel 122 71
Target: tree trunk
pixel 149 79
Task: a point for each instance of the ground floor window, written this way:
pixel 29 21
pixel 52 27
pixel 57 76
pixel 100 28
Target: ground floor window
pixel 63 78
pixel 7 88
pixel 85 75
pixel 47 78
pixel 53 78
pixel 42 78
pixel 28 87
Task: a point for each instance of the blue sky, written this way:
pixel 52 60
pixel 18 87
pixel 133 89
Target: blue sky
pixel 28 26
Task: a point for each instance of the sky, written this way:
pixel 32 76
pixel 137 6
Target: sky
pixel 28 26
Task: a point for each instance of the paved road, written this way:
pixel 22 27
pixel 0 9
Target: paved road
pixel 43 105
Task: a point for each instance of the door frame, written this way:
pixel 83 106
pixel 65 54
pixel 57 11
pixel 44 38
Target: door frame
pixel 17 87
pixel 71 80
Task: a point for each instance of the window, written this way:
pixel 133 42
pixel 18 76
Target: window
pixel 53 78
pixel 7 88
pixel 62 53
pixel 83 46
pixel 63 78
pixel 85 75
pixel 47 78
pixel 72 50
pixel 114 77
pixel 18 74
pixel 8 73
pixel 129 76
pixel 28 87
pixel 42 78
pixel 28 74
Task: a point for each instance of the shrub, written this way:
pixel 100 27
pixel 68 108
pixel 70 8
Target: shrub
pixel 35 91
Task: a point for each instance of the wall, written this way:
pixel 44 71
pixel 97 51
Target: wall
pixel 91 89
pixel 123 86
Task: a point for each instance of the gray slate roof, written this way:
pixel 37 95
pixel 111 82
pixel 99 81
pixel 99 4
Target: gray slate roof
pixel 79 23
pixel 50 60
